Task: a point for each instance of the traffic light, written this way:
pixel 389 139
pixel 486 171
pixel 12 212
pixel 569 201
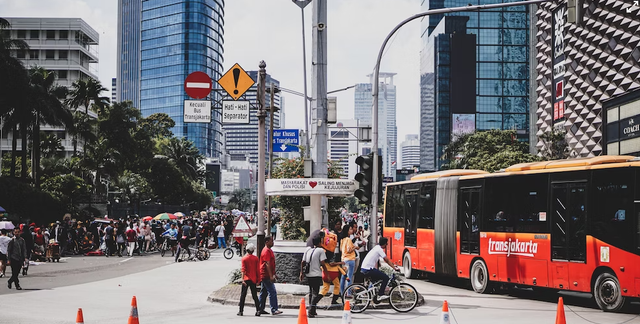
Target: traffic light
pixel 365 178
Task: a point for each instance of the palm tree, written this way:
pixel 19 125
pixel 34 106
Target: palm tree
pixel 83 127
pixel 14 87
pixel 83 92
pixel 185 155
pixel 48 108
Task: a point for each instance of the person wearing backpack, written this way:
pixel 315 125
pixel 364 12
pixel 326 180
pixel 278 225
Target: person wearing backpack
pixel 312 265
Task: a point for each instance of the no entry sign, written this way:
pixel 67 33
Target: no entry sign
pixel 197 85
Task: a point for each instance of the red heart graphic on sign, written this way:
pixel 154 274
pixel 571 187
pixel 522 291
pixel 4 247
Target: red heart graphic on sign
pixel 313 184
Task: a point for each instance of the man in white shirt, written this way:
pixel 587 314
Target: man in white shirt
pixel 370 266
pixel 222 242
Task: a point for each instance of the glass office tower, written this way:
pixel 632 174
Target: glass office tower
pixel 501 76
pixel 177 37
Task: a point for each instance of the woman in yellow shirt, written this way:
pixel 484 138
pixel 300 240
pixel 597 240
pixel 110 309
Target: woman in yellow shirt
pixel 348 250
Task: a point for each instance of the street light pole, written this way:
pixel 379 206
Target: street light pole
pixel 376 75
pixel 307 151
pixel 262 114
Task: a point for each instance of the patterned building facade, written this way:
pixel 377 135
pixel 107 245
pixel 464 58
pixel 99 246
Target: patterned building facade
pixel 587 75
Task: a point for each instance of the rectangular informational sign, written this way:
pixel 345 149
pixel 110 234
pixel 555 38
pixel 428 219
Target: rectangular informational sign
pixel 463 124
pixel 285 140
pixel 235 112
pixel 197 111
pixel 310 186
pixel 559 20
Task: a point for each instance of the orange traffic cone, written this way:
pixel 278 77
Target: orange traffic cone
pixel 79 317
pixel 346 314
pixel 560 319
pixel 302 313
pixel 133 316
pixel 444 317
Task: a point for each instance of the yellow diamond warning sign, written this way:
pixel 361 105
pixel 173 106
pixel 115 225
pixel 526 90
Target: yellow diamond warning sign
pixel 236 81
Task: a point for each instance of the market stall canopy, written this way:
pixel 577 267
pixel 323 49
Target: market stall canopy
pixel 310 186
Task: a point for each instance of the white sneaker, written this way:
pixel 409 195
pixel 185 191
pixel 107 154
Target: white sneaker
pixel 383 297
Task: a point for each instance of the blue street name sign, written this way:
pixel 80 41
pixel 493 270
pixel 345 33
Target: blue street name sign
pixel 285 140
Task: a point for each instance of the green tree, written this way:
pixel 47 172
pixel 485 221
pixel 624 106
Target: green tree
pixel 50 145
pixel 68 188
pixel 84 92
pixel 292 218
pixel 241 199
pixel 487 150
pixel 47 107
pixel 185 156
pixel 83 127
pixel 555 145
pixel 158 125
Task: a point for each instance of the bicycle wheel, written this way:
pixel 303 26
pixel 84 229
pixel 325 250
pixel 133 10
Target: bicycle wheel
pixel 206 254
pixel 358 297
pixel 403 298
pixel 184 255
pixel 228 253
pixel 163 249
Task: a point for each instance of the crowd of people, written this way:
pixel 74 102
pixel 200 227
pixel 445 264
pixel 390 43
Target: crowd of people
pixel 126 236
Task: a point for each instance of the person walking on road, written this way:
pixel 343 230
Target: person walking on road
pixel 313 262
pixel 109 239
pixel 4 243
pixel 250 273
pixel 268 276
pixel 17 255
pixel 132 238
pixel 221 239
pixel 348 251
pixel 331 276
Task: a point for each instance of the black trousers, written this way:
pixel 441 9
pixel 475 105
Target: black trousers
pixel 314 292
pixel 254 294
pixel 111 247
pixel 16 266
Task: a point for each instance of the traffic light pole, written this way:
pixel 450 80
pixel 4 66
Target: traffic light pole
pixel 376 75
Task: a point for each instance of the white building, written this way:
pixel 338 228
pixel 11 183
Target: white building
pixel 387 128
pixel 410 152
pixel 66 46
pixel 343 146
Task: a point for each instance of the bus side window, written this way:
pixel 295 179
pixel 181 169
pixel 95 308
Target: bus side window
pixel 613 193
pixel 389 208
pixel 427 205
pixel 499 207
pixel 400 207
pixel 531 203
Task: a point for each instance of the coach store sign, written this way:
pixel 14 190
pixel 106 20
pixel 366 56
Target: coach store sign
pixel 310 186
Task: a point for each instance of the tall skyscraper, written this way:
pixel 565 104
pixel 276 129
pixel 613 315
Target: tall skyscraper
pixel 343 146
pixel 387 129
pixel 66 46
pixel 114 90
pixel 159 44
pixel 410 152
pixel 588 75
pixel 241 140
pixel 461 92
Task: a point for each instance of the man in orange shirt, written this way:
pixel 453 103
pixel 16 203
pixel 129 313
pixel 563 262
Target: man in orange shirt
pixel 268 277
pixel 250 266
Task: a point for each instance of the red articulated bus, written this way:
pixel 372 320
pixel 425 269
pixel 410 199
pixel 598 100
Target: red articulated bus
pixel 566 225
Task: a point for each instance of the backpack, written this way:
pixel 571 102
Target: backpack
pixel 330 241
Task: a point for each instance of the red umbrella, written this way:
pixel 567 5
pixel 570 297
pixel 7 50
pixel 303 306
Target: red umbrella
pixel 147 218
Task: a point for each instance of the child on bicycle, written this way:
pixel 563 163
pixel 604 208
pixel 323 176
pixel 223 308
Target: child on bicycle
pixel 370 266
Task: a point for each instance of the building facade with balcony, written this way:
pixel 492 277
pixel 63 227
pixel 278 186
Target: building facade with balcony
pixel 66 46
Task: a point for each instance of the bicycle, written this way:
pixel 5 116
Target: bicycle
pixel 403 297
pixel 228 252
pixel 165 246
pixel 203 253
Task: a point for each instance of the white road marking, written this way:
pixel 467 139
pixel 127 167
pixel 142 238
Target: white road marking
pixel 199 85
pixel 125 260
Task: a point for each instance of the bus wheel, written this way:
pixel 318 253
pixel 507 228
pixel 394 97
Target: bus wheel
pixel 479 277
pixel 406 267
pixel 607 293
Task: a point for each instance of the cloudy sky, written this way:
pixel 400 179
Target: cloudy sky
pixel 270 30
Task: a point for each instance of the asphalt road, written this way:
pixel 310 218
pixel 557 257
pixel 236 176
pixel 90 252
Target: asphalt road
pixel 176 293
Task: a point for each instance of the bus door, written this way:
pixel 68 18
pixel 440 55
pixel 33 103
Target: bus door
pixel 469 219
pixel 411 213
pixel 568 228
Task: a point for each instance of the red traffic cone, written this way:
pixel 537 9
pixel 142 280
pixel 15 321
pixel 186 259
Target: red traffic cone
pixel 302 313
pixel 346 314
pixel 133 316
pixel 79 317
pixel 560 319
pixel 444 317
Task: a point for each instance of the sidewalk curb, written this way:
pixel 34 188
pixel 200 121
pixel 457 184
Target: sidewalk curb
pixel 230 295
